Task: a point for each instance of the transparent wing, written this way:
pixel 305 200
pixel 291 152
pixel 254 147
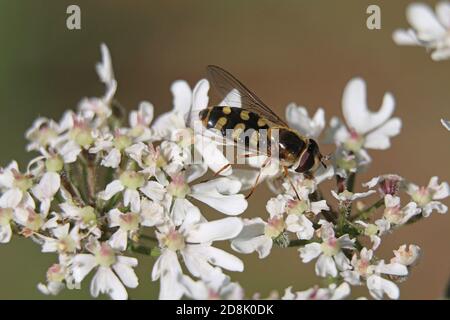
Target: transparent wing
pixel 234 93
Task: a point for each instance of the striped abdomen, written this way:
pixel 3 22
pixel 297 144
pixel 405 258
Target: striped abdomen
pixel 236 123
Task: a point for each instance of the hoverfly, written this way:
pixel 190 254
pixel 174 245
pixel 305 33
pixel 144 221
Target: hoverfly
pixel 295 151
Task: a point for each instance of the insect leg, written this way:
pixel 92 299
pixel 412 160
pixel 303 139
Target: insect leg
pixel 222 169
pixel 266 162
pixel 286 174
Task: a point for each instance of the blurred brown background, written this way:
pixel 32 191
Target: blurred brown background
pixel 302 51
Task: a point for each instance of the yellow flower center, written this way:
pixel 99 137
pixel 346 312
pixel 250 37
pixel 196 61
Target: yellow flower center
pixel 132 180
pixel 105 255
pixel 54 164
pixel 274 227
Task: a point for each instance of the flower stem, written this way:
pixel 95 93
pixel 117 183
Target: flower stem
pixel 71 188
pixel 365 213
pixel 351 181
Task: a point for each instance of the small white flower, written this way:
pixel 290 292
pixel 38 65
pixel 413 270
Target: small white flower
pixel 298 118
pixel 46 189
pixel 373 231
pixel 362 267
pixel 394 215
pixel 15 187
pixel 193 240
pixel 140 121
pixel 366 129
pixel 42 134
pixel 333 292
pixel 56 275
pixel 329 251
pixel 429 29
pixel 114 272
pixel 65 241
pixel 407 255
pixel 130 183
pixel 85 217
pixel 387 184
pixel 426 197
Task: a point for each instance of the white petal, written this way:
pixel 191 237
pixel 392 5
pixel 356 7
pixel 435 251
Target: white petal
pixel 310 252
pixel 298 118
pixel 222 229
pixel 405 37
pixel 119 240
pixel 252 239
pixel 219 194
pixel 213 157
pixel 153 190
pixel 396 269
pixel 200 98
pixel 168 268
pixel 443 13
pixel 355 109
pixel 379 138
pixel 378 287
pixel 5 233
pixel 82 265
pixel 182 96
pixel 126 273
pixel 325 266
pixel 111 189
pixel 446 124
pixel 112 159
pixel 105 281
pixel 11 198
pixel 423 19
pixel 223 259
pixel 132 198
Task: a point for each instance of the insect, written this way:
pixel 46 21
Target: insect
pixel 247 123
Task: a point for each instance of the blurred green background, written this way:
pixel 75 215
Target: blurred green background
pixel 302 51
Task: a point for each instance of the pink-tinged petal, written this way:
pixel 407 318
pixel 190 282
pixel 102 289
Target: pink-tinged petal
pixel 423 19
pixel 310 252
pixel 222 229
pixel 105 281
pixel 325 266
pixel 82 265
pixel 405 37
pixel 111 189
pixel 182 96
pixel 378 287
pixel 126 274
pixel 440 191
pixel 380 137
pixel 355 109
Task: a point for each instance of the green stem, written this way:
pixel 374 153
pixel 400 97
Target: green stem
pixel 365 213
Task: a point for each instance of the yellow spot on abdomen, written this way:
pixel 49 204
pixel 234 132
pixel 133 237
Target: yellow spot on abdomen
pixel 245 115
pixel 261 122
pixel 237 130
pixel 226 110
pixel 220 123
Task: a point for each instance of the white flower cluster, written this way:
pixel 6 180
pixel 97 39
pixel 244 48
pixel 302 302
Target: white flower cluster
pixel 429 29
pixel 100 191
